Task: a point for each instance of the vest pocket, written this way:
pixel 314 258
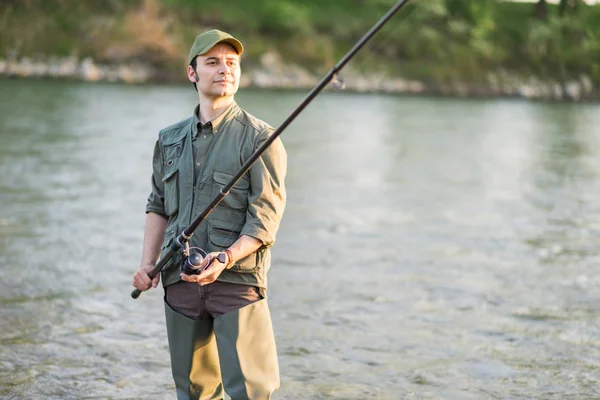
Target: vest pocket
pixel 171 192
pixel 221 235
pixel 171 155
pixel 237 198
pixel 170 235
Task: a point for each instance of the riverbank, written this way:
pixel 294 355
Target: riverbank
pixel 441 47
pixel 271 72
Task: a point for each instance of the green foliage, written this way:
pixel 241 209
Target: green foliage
pixel 564 46
pixel 431 40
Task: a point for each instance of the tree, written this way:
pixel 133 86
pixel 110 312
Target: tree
pixel 565 5
pixel 541 9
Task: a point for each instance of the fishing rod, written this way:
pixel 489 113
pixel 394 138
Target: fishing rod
pixel 183 238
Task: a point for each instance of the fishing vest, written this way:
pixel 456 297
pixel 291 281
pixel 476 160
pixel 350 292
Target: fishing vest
pixel 186 197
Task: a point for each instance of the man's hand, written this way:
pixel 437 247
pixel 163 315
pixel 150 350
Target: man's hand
pixel 142 281
pixel 211 269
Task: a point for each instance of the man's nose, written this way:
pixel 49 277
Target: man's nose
pixel 225 70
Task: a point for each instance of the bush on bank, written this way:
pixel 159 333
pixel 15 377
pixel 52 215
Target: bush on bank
pixel 438 43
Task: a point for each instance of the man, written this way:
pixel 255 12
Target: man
pixel 218 322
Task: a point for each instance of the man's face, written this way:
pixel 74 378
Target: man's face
pixel 217 72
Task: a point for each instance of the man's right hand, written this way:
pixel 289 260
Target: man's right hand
pixel 142 281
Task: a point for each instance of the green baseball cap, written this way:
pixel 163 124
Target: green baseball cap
pixel 207 40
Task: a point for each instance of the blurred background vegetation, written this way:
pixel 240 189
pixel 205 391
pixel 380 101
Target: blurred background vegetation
pixel 432 41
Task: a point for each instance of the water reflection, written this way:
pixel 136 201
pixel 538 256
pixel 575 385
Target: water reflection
pixel 563 228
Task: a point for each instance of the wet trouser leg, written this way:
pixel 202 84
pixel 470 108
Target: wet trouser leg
pixel 247 352
pixel 194 359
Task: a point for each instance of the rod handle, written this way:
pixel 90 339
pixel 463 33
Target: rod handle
pixel 136 293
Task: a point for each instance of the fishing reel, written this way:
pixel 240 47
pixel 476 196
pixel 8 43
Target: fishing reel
pixel 192 259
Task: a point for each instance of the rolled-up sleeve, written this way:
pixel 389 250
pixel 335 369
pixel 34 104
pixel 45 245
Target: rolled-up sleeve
pixel 156 200
pixel 267 196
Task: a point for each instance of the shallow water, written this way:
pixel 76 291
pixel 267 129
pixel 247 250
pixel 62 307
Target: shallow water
pixel 431 248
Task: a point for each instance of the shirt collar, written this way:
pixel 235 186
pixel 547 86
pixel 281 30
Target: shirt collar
pixel 214 123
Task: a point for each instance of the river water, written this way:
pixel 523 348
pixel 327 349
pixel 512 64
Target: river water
pixel 431 248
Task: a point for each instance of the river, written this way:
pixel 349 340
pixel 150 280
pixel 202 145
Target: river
pixel 432 248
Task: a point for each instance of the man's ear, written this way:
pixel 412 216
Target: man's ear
pixel 192 75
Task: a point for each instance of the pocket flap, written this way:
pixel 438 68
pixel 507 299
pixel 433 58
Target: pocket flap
pixel 224 178
pixel 223 238
pixel 169 174
pixel 177 136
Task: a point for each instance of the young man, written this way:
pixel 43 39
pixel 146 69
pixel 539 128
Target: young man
pixel 218 322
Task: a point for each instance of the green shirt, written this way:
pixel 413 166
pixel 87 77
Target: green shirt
pixel 192 162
